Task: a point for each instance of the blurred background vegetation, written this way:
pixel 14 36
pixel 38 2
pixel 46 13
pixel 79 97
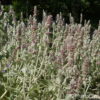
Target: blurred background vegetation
pixel 89 8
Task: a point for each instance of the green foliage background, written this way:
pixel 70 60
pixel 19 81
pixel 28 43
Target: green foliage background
pixel 89 8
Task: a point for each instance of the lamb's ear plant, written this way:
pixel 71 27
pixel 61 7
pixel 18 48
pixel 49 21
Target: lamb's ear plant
pixel 51 60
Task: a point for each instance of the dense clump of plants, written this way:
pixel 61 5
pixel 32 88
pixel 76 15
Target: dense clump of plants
pixel 51 60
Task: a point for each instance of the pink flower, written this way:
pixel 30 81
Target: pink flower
pixel 48 21
pixel 98 63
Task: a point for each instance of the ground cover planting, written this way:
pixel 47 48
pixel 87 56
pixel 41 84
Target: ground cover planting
pixel 48 60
